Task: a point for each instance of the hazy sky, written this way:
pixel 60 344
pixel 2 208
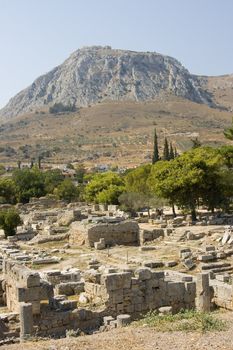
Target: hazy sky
pixel 36 35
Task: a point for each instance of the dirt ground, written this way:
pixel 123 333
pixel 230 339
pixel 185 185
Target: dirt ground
pixel 142 338
pixel 167 249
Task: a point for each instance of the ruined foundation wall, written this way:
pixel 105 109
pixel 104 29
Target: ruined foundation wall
pixel 143 291
pixel 122 233
pixel 23 285
pixel 222 294
pixel 56 323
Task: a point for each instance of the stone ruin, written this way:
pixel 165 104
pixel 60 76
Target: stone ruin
pixel 39 303
pixel 49 303
pixel 122 232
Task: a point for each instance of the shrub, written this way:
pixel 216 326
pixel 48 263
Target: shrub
pixel 59 108
pixel 9 220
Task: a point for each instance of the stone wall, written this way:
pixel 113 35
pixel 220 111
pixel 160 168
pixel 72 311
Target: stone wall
pixel 125 233
pixel 147 235
pixel 141 291
pixel 125 292
pixel 57 322
pixel 222 294
pixel 24 285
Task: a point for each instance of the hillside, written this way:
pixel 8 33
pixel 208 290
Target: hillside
pixel 96 74
pixel 221 90
pixel 120 97
pixel 115 133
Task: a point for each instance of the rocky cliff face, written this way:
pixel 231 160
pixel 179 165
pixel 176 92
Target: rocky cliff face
pixel 95 74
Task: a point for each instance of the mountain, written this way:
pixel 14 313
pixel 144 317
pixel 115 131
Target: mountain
pixel 100 74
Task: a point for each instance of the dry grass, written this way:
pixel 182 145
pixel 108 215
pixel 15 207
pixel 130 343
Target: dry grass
pixel 114 131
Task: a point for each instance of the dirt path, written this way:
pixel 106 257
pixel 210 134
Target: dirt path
pixel 132 338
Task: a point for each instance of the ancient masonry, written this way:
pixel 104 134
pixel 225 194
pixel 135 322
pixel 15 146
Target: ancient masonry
pixel 45 310
pixel 50 303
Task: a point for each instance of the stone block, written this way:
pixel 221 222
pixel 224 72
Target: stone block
pixel 226 237
pixel 26 320
pixel 222 278
pixel 170 263
pixel 188 263
pixel 184 250
pixel 120 308
pixel 187 279
pixel 176 289
pixel 210 248
pixel 113 324
pixel 205 258
pixel 116 281
pixel 138 307
pixel 157 274
pixel 221 255
pixel 152 283
pixel 202 292
pixel 65 305
pixel 143 273
pixel 153 264
pixel 147 248
pixel 165 310
pixel 107 320
pixel 123 320
pixel 28 294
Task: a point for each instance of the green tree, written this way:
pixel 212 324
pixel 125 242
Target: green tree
pixel 80 172
pixel 228 133
pixel 137 193
pixel 7 190
pixel 29 183
pixel 111 184
pixel 176 154
pixel 67 190
pixel 133 201
pixel 171 152
pixel 9 220
pixel 166 155
pixel 40 157
pixel 155 157
pixel 194 177
pixel 19 164
pixel 52 179
pixel 196 143
pixel 110 195
pixel 227 154
pixel 136 179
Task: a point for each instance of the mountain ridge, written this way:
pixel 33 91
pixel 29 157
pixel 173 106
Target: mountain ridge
pixel 95 74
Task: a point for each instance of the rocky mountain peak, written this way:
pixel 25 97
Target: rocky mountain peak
pixel 96 74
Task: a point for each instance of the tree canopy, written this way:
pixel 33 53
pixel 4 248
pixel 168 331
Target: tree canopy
pixel 193 178
pixel 104 188
pixel 29 183
pixel 67 190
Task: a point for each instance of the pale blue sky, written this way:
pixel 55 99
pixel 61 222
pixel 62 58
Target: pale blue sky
pixel 36 35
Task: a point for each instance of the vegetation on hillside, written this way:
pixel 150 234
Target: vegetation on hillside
pixel 201 176
pixel 61 108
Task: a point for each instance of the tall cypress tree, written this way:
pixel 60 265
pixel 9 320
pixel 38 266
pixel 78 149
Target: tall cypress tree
pixel 176 154
pixel 166 155
pixel 171 152
pixel 155 157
